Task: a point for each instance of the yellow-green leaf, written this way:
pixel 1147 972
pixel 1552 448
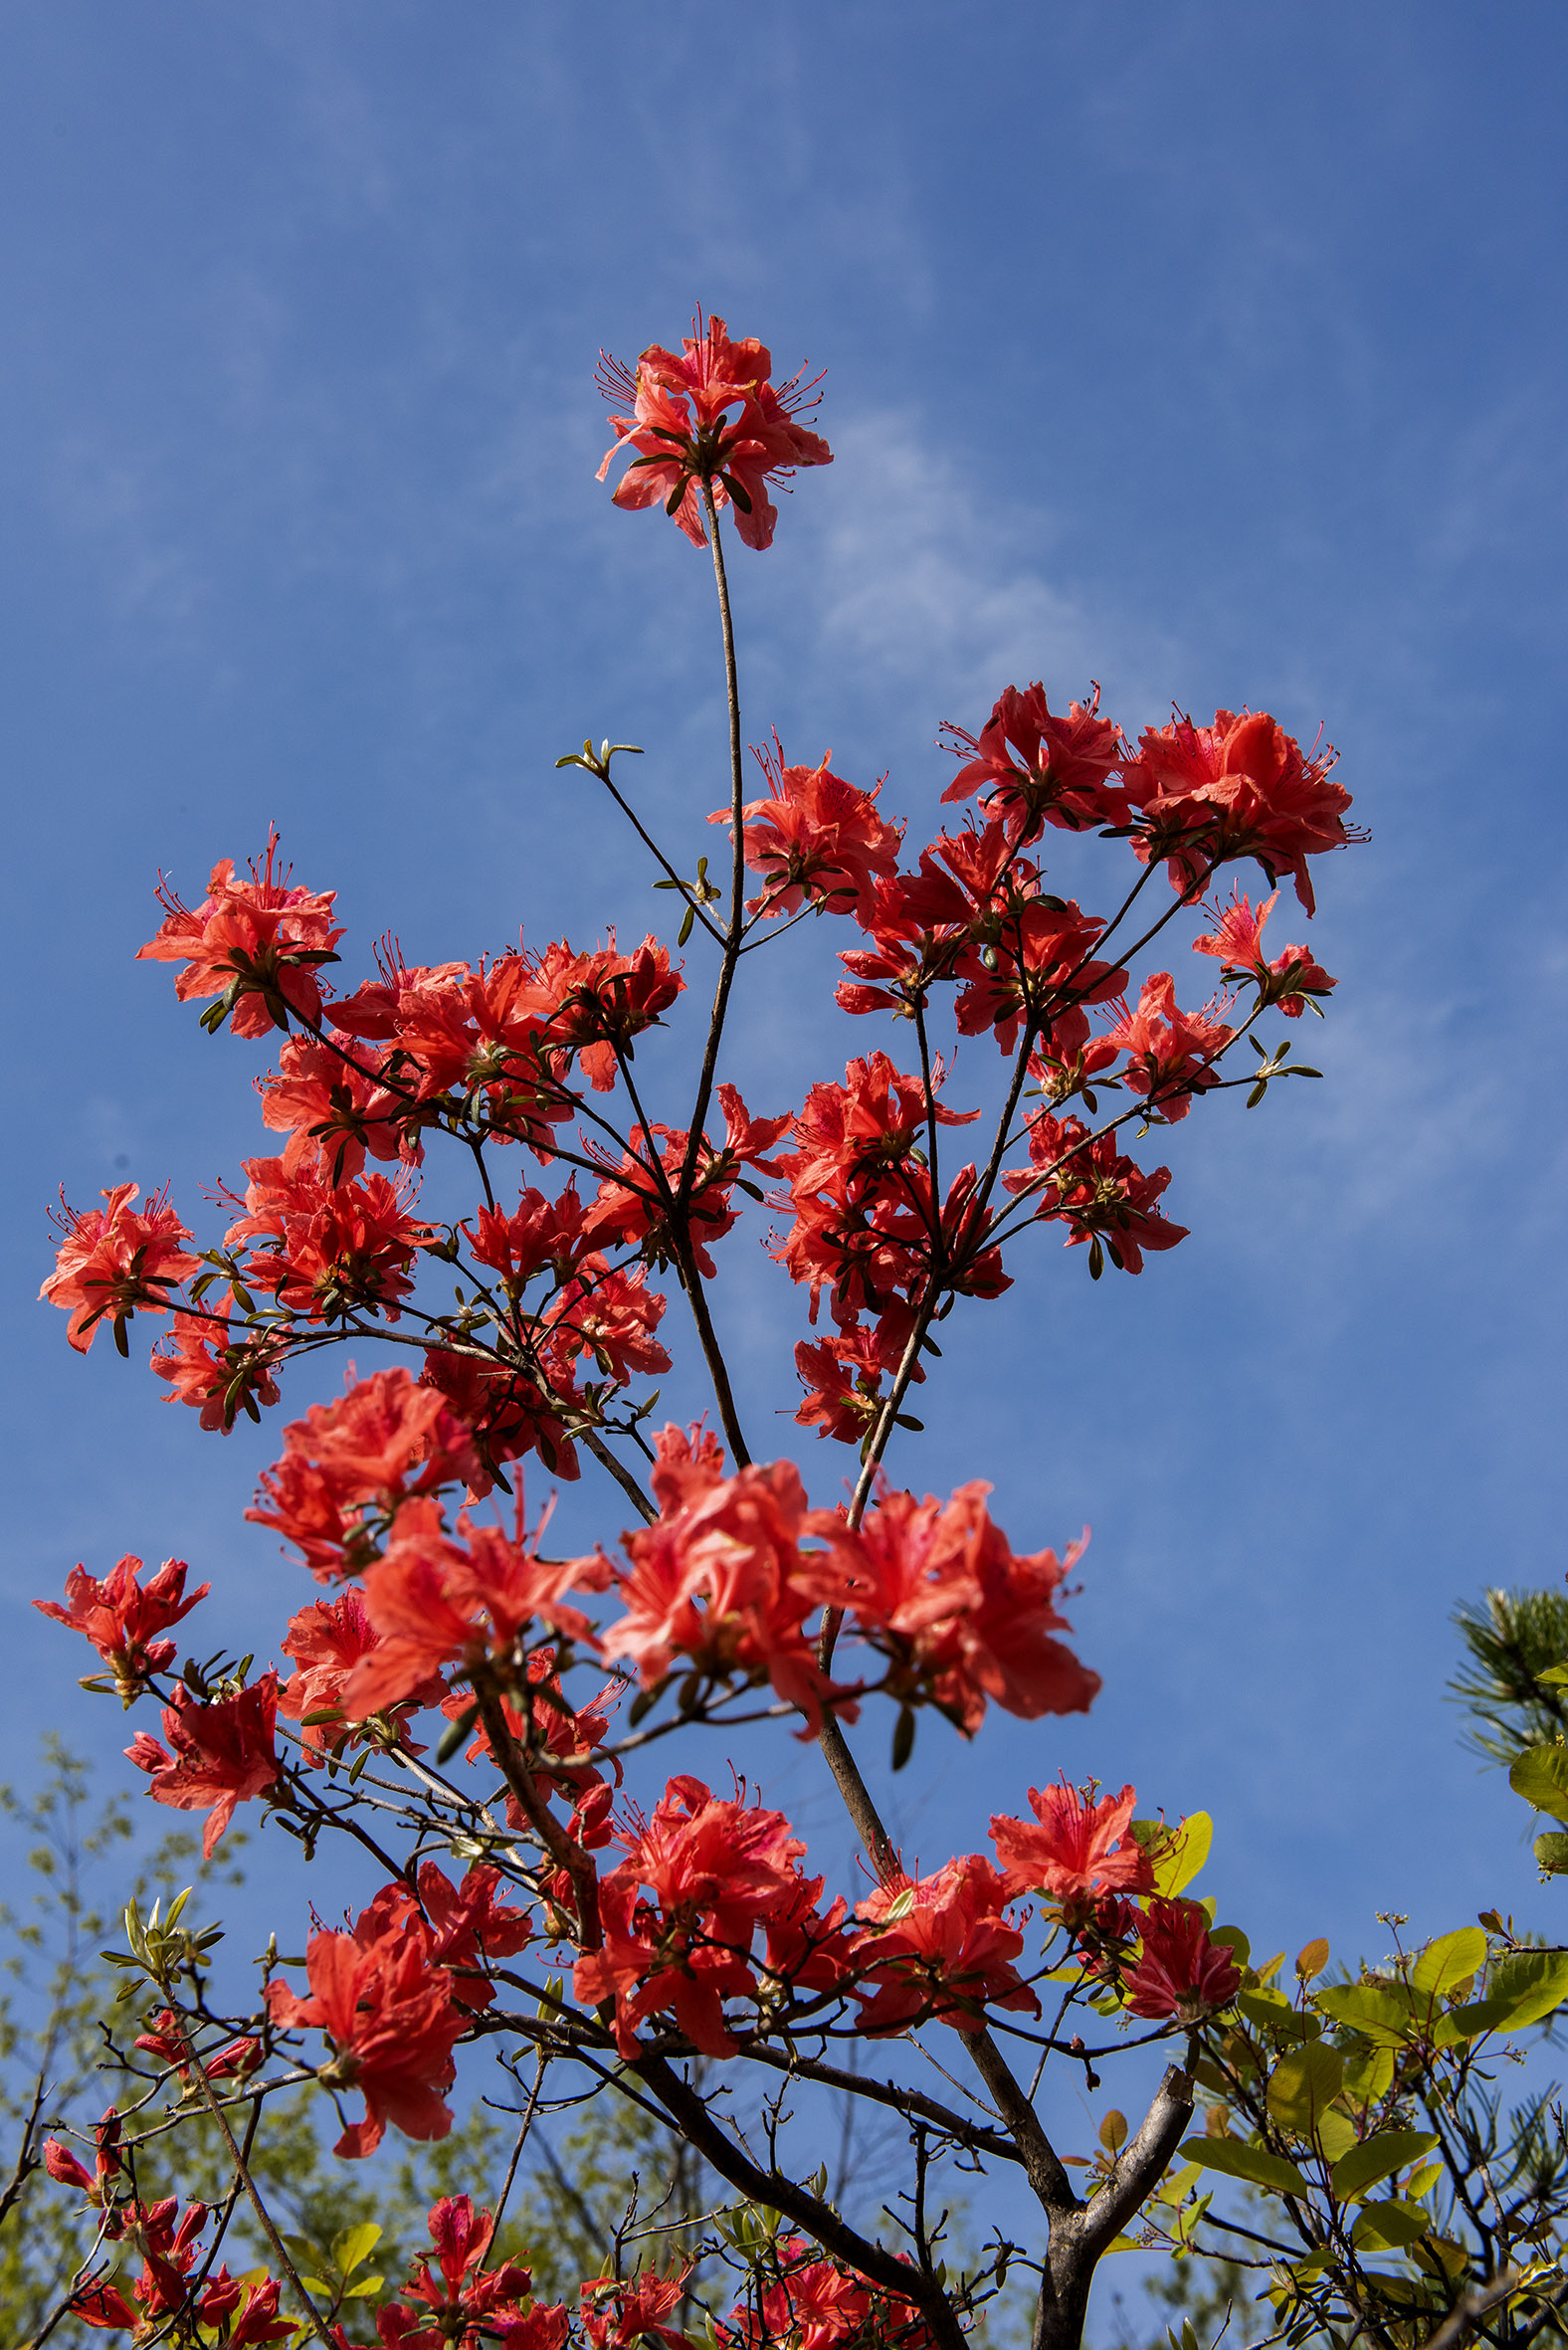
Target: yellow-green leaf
pixel 355 2245
pixel 1380 2016
pixel 1303 2085
pixel 1388 2227
pixel 1238 2159
pixel 1540 1775
pixel 1448 1961
pixel 1179 1862
pixel 1336 2133
pixel 1179 2185
pixel 1378 2158
pixel 1528 1983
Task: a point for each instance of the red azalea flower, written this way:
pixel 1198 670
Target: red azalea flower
pixel 470 2307
pixel 111 1261
pixel 935 1587
pixel 257 945
pixel 1291 980
pixel 1082 1181
pixel 1036 768
pixel 940 1946
pixel 389 2014
pixel 1079 1850
pixel 1239 788
pixel 218 1375
pixel 814 839
pixel 1170 1053
pixel 708 415
pixel 122 1617
pixel 223 1754
pixel 1180 1971
pixel 716 1869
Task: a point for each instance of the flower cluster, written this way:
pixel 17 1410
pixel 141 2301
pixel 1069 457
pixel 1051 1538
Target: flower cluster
pixel 709 418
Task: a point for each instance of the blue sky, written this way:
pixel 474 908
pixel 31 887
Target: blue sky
pixel 1210 350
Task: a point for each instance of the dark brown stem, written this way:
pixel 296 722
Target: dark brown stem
pixel 242 2172
pixel 577 1863
pixel 779 2193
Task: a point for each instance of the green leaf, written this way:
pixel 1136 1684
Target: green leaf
pixel 1179 2185
pixel 1388 2227
pixel 366 2288
pixel 1382 2016
pixel 1540 1775
pixel 1528 1985
pixel 1551 1854
pixel 1238 2159
pixel 1179 1862
pixel 1448 1961
pixel 354 2246
pixel 1272 2013
pixel 1378 2158
pixel 1303 2085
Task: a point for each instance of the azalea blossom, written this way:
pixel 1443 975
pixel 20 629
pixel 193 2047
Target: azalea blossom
pixel 940 1946
pixel 436 1601
pixel 936 1587
pixel 223 1755
pixel 327 1642
pixel 257 945
pixel 1076 1851
pixel 716 1870
pixel 1180 1971
pixel 1170 1053
pixel 1242 787
pixel 1103 1197
pixel 113 1261
pixel 709 417
pixel 815 838
pixel 123 1617
pixel 217 1373
pixel 464 2305
pixel 390 2016
pixel 1036 768
pixel 1293 980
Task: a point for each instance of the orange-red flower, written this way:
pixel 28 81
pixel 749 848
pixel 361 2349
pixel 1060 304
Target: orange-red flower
pixel 217 1374
pixel 122 1618
pixel 708 415
pixel 1295 977
pixel 1076 1850
pixel 111 1261
pixel 1170 1053
pixel 223 1754
pixel 256 945
pixel 718 1579
pixel 322 1249
pixel 1082 1181
pixel 1239 788
pixel 814 839
pixel 936 1587
pixel 435 1600
pixel 1036 768
pixel 718 1871
pixel 940 1946
pixel 390 2016
pixel 347 1464
pixel 471 2307
pixel 1180 1971
pixel 327 1642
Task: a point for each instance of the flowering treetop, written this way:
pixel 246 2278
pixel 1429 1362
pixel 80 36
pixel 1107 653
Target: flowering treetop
pixel 614 1929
